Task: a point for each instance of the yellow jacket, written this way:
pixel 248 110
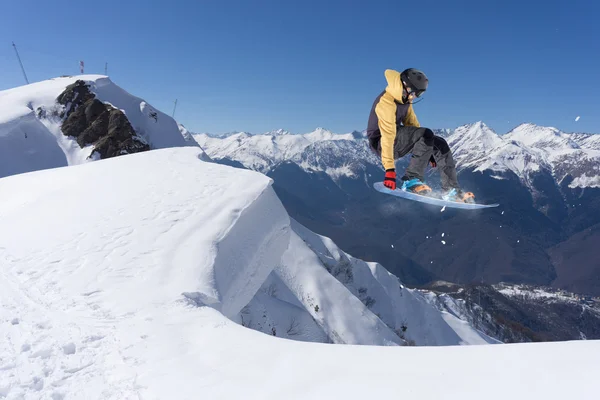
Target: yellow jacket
pixel 389 113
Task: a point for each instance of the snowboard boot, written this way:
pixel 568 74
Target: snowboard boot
pixel 415 186
pixel 459 196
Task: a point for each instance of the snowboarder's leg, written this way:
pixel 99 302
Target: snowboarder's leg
pixel 419 142
pixel 421 152
pixel 445 164
pixel 447 167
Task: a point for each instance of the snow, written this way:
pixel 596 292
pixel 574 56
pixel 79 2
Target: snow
pixel 587 140
pixel 586 181
pixel 105 294
pixel 261 152
pixel 338 172
pixel 160 274
pixel 384 295
pixel 26 145
pixel 158 129
pixel 541 137
pixel 334 308
pixel 577 119
pixel 30 135
pixel 524 291
pixel 470 142
pixel 525 150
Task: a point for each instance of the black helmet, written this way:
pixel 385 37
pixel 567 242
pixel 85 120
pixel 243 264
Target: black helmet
pixel 416 80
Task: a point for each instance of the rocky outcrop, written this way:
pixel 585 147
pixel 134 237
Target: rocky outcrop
pixel 95 123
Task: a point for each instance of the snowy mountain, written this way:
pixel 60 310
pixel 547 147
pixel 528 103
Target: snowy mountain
pixel 478 147
pixel 527 149
pixel 544 231
pixel 39 121
pixel 587 140
pixel 523 151
pixel 520 313
pixel 104 293
pixel 263 152
pixel 335 298
pixel 148 290
pixel 111 298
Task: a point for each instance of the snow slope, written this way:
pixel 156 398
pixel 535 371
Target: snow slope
pixel 587 140
pixel 404 310
pixel 319 293
pixel 30 134
pixel 134 292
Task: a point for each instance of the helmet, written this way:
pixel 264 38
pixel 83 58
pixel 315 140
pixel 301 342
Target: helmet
pixel 416 80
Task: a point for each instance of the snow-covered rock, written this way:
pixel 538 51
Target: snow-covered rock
pixel 30 124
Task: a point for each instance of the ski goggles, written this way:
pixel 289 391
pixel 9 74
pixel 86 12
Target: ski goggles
pixel 417 93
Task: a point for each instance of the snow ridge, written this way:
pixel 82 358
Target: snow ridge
pixel 524 151
pixel 30 133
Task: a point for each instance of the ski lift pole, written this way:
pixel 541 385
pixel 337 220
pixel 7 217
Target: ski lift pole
pixel 19 58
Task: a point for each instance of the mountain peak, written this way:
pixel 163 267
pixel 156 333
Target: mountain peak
pixel 278 132
pixel 542 137
pixel 32 138
pixel 479 125
pixel 319 134
pixel 477 134
pixel 322 130
pixel 358 134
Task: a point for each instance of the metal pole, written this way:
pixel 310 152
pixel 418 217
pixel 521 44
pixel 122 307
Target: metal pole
pixel 19 58
pixel 105 68
pixel 174 107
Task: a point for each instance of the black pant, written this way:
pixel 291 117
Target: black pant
pixel 423 144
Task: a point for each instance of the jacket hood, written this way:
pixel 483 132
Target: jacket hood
pixel 395 86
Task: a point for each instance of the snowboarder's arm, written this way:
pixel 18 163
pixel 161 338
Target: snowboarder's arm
pixel 411 118
pixel 386 115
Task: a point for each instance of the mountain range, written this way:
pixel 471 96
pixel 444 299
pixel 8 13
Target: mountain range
pixel 546 181
pixel 276 277
pixel 132 263
pixel 65 121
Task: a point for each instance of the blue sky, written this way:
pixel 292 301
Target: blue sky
pixel 261 65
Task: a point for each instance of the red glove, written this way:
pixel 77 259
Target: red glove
pixel 390 179
pixel 432 162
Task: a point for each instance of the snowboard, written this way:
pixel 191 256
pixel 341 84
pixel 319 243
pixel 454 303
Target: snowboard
pixel 430 200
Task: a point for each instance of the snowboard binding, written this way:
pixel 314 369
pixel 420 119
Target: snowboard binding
pixel 415 186
pixel 459 196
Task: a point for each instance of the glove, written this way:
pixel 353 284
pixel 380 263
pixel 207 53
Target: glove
pixel 390 179
pixel 432 162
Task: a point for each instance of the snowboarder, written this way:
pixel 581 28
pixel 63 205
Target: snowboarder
pixel 394 131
